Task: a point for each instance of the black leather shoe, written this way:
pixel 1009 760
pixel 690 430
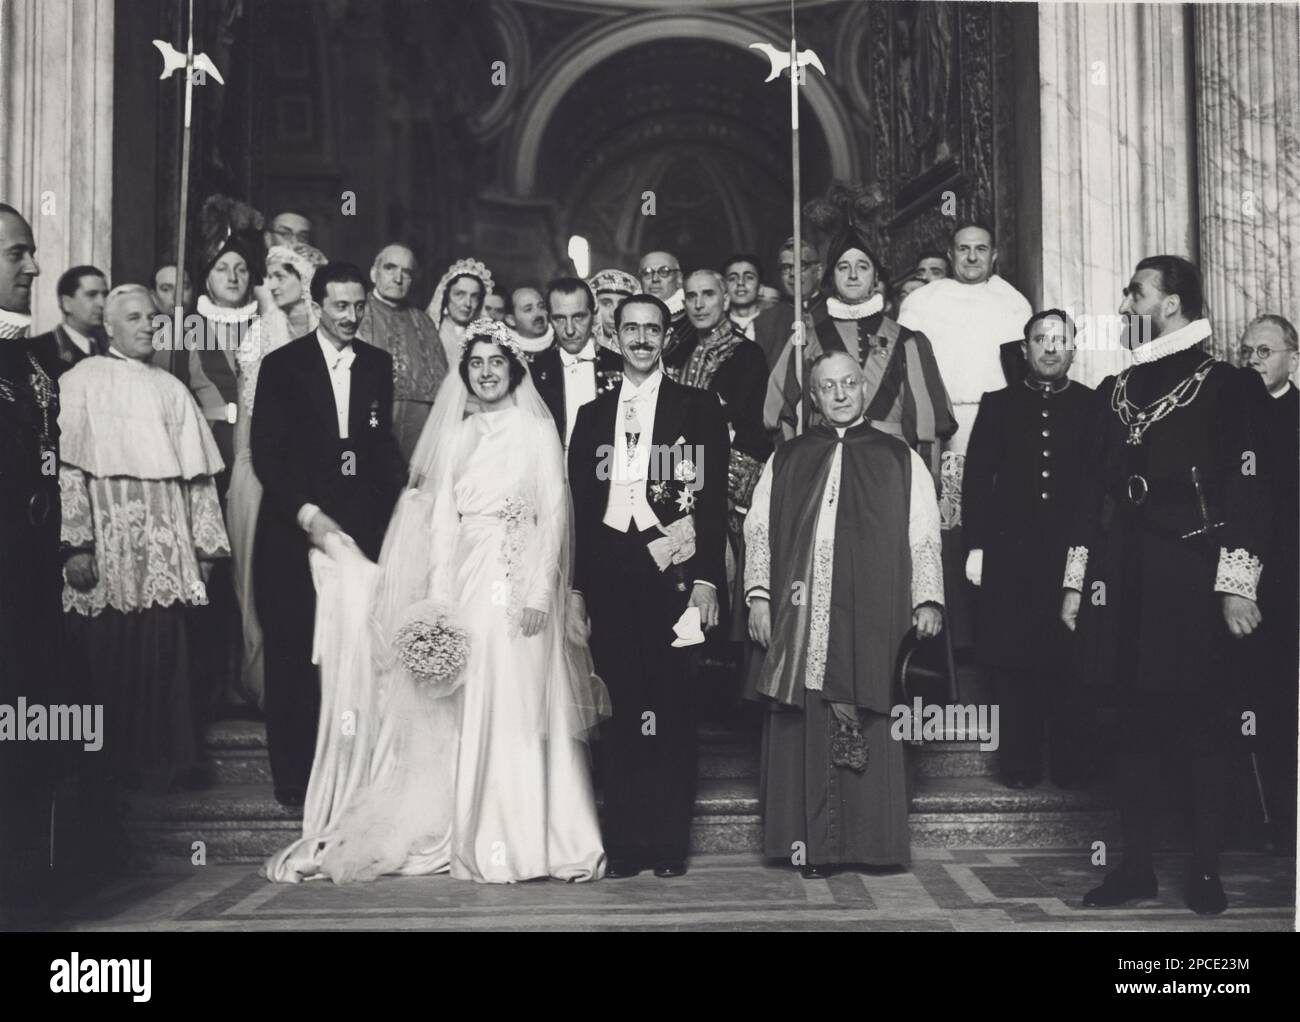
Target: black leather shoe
pixel 815 872
pixel 293 798
pixel 619 869
pixel 670 869
pixel 1122 885
pixel 1205 894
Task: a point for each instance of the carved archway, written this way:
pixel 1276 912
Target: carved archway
pixel 587 50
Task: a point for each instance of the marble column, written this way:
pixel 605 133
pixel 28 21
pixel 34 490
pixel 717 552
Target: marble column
pixel 56 133
pixel 1248 145
pixel 1115 117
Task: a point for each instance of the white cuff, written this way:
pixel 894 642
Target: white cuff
pixel 1238 573
pixel 305 514
pixel 1076 567
pixel 702 582
pixel 975 567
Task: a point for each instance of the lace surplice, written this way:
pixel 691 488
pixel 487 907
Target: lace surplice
pixel 147 536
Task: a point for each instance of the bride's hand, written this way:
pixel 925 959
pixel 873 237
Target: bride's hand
pixel 531 621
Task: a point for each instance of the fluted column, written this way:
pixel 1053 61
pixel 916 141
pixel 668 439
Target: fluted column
pixel 1115 94
pixel 56 133
pixel 1248 106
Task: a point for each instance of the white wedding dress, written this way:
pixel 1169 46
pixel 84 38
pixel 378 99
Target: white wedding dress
pixel 491 783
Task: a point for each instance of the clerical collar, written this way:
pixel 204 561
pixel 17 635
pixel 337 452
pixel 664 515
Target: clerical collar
pixel 1055 386
pixel 676 302
pixel 532 345
pixel 209 309
pixel 1182 339
pixel 14 324
pixel 587 354
pixel 841 430
pixel 860 310
pixel 387 301
pixel 1283 392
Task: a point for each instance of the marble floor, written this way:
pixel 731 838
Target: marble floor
pixel 966 889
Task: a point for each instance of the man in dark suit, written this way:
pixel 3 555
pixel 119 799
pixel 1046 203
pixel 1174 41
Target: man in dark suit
pixel 648 473
pixel 1024 475
pixel 324 450
pixel 575 369
pixel 82 291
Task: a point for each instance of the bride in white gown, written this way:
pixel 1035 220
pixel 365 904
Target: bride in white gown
pixel 492 782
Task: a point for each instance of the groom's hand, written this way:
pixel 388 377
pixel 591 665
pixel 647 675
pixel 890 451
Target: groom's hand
pixel 531 621
pixel 320 526
pixel 706 598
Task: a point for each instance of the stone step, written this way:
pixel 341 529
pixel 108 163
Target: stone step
pixel 244 823
pixel 236 754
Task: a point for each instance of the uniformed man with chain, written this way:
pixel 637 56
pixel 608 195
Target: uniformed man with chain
pixel 1163 566
pixel 31 580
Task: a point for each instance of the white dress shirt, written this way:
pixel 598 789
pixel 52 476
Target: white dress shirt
pixel 627 483
pixel 579 383
pixel 338 362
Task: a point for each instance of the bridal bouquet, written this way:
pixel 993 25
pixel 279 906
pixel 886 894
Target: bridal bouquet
pixel 433 647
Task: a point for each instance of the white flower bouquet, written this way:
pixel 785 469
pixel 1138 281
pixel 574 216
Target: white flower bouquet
pixel 433 647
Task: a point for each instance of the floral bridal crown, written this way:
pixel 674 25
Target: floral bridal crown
pixel 497 332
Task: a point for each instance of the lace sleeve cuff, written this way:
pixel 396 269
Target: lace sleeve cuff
pixel 1076 566
pixel 927 572
pixel 1238 573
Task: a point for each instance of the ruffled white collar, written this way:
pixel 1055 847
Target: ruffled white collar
pixel 861 310
pixel 1169 344
pixel 14 324
pixel 676 302
pixel 532 345
pixel 209 309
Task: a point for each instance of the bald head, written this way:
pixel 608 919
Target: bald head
pixel 393 273
pixel 836 382
pixel 660 273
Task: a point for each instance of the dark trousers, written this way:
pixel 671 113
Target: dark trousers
pixel 649 746
pixel 1033 704
pixel 1193 735
pixel 286 602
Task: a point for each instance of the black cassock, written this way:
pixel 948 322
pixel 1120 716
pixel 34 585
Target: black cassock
pixel 1022 482
pixel 300 459
pixel 1271 667
pixel 31 614
pixel 1151 632
pixel 649 745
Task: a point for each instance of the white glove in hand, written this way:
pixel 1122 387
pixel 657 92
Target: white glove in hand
pixel 975 566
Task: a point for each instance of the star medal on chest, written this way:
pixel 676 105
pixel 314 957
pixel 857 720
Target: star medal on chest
pixel 685 501
pixel 374 414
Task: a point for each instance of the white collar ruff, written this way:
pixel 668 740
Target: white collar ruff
pixel 532 345
pixel 1179 340
pixel 209 309
pixel 676 302
pixel 861 310
pixel 14 324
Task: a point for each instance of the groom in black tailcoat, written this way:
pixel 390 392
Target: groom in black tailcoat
pixel 327 459
pixel 648 472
